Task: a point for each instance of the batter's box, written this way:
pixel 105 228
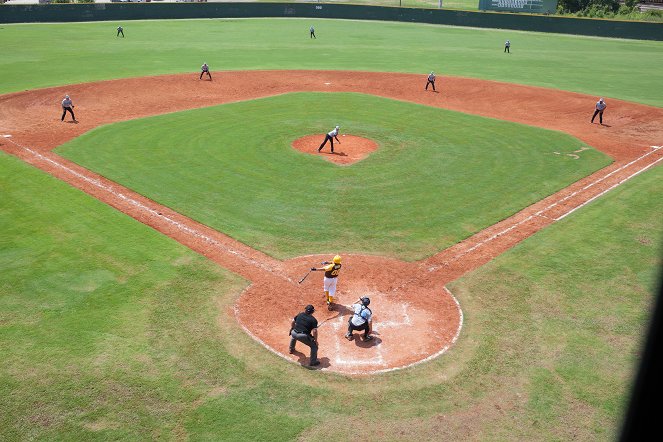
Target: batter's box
pixel 371 351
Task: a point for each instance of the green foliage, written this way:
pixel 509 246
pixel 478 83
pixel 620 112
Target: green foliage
pixel 84 1
pixel 609 10
pixel 596 6
pixel 61 1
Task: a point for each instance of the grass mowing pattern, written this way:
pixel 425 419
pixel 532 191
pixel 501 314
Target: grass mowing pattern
pixel 625 69
pixel 567 309
pixel 109 330
pixel 231 167
pixel 134 347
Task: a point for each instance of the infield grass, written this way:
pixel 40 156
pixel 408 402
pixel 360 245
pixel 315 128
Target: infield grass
pixel 57 54
pixel 438 177
pixel 111 331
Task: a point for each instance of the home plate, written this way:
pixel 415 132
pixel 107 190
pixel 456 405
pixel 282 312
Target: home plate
pixel 412 323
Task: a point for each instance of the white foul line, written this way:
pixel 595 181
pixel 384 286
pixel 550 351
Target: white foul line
pixel 545 209
pixel 610 188
pixel 139 205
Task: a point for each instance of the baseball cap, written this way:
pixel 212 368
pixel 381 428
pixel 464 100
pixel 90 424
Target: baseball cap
pixel 309 309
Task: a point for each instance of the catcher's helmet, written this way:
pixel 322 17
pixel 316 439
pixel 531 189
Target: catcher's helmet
pixel 309 309
pixel 337 259
pixel 365 301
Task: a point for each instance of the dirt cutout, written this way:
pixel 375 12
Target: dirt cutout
pixel 416 318
pixel 351 149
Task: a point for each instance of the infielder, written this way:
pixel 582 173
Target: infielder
pixel 204 69
pixel 330 137
pixel 67 106
pixel 332 269
pixel 361 319
pixel 600 107
pixel 507 46
pixel 120 31
pixel 431 80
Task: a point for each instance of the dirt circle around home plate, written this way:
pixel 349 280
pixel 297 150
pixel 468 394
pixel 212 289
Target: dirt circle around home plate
pixel 416 318
pixel 350 150
pixel 412 322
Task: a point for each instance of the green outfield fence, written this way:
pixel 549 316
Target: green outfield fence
pixel 145 11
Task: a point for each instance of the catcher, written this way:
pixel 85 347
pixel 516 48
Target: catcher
pixel 332 269
pixel 361 319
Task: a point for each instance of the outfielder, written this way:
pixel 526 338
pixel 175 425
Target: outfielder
pixel 507 46
pixel 120 31
pixel 67 106
pixel 361 319
pixel 312 31
pixel 204 69
pixel 332 269
pixel 330 137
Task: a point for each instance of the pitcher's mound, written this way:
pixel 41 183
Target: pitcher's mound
pixel 349 151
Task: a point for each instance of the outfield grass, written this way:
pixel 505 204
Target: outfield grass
pixel 426 188
pixel 56 54
pixel 111 331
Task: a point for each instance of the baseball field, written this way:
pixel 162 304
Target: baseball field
pixel 151 252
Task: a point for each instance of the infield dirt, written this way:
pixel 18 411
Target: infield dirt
pixel 415 316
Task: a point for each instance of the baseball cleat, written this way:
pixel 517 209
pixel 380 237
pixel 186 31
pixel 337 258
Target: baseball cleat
pixel 348 336
pixel 368 338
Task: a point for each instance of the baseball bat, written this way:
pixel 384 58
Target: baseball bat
pixel 307 273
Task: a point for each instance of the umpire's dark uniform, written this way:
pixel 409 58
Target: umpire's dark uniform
pixel 304 329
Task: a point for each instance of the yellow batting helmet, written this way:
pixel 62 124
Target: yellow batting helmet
pixel 337 259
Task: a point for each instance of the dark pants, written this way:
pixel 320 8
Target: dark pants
pixel 506 49
pixel 64 112
pixel 120 32
pixel 205 72
pixel 600 113
pixel 432 83
pixel 327 138
pixel 306 340
pixel 313 35
pixel 352 327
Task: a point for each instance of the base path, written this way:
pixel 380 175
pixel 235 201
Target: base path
pixel 416 318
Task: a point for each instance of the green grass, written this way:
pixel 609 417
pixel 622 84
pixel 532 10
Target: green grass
pixel 568 309
pixel 425 189
pixel 58 54
pixel 111 331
